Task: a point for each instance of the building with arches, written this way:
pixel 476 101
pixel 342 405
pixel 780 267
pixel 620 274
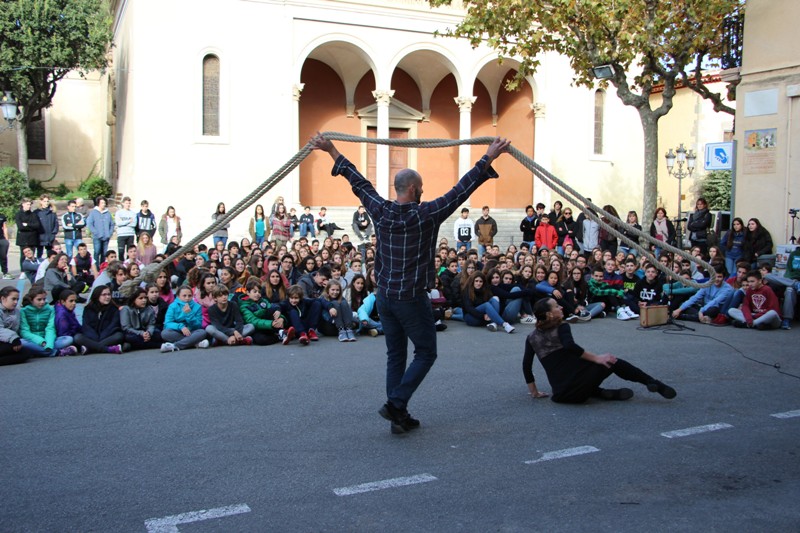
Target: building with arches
pixel 206 99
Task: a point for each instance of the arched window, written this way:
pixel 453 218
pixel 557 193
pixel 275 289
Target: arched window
pixel 211 95
pixel 599 104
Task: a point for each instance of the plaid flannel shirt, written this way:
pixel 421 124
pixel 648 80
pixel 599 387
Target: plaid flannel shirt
pixel 406 233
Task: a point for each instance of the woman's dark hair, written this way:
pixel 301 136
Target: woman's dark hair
pixel 34 291
pixel 201 283
pixel 540 310
pixel 5 292
pixel 54 262
pixel 167 288
pixel 222 205
pixel 729 238
pixel 94 299
pixel 135 294
pixel 356 297
pixel 485 292
pixel 63 294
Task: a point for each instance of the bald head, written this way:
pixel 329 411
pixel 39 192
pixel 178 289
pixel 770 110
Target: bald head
pixel 404 179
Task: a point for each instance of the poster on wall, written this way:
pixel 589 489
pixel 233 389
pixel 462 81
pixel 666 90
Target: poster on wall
pixel 760 155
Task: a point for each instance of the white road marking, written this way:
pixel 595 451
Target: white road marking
pixel 169 524
pixel 787 414
pixel 561 454
pixel 384 484
pixel 695 430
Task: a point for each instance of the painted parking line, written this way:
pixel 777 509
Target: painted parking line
pixel 695 430
pixel 561 454
pixel 169 524
pixel 787 414
pixel 384 484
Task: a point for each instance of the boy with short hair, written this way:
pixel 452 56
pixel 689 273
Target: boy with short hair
pixel 111 255
pixel 265 318
pixel 125 219
pixel 73 224
pixel 760 308
pixel 629 281
pixel 307 224
pixel 82 266
pixel 227 325
pixel 648 290
pixel 600 291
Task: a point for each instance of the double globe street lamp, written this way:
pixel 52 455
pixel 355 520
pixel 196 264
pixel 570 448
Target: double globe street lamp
pixel 683 158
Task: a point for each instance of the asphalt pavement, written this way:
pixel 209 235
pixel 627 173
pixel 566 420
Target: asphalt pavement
pixel 288 439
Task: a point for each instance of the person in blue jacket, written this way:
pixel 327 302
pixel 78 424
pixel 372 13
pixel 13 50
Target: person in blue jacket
pixel 100 223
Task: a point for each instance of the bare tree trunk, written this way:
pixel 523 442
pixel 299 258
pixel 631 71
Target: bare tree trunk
pixel 650 196
pixel 22 149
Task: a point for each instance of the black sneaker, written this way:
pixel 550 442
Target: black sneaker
pixel 664 390
pixel 616 394
pixel 739 324
pixel 402 422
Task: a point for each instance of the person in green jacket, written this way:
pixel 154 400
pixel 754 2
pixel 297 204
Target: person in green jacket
pixel 38 327
pixel 264 316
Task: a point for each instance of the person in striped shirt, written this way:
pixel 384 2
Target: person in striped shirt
pixel 406 230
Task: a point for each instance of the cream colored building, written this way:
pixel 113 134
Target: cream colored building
pixel 768 117
pixel 205 107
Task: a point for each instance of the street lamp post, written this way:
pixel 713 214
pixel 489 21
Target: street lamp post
pixel 10 110
pixel 683 157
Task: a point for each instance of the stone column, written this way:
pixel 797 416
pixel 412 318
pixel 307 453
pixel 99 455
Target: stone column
pixel 542 154
pixel 293 197
pixel 465 132
pixel 383 98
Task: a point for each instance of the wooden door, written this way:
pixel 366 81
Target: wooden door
pixel 398 157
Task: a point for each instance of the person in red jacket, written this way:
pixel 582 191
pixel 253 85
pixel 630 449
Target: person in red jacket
pixel 546 235
pixel 760 308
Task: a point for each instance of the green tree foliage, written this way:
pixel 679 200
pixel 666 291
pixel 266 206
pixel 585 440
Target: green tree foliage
pixel 644 41
pixel 94 187
pixel 715 187
pixel 41 41
pixel 13 187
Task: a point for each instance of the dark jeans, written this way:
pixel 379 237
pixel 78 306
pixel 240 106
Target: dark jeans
pixel 4 255
pixel 100 346
pixel 312 312
pixel 10 357
pixel 100 248
pixel 586 382
pixel 138 343
pixel 41 251
pixel 122 246
pixel 403 320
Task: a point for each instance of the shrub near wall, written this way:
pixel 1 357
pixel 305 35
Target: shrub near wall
pixel 13 187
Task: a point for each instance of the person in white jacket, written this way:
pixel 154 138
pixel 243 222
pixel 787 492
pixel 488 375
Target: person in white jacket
pixel 464 230
pixel 125 219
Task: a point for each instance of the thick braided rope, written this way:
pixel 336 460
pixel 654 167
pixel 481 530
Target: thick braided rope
pixel 150 272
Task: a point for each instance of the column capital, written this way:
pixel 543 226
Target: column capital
pixel 383 97
pixel 297 88
pixel 539 109
pixel 465 103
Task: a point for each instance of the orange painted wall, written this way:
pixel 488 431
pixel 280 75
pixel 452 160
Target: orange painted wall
pixel 515 120
pixel 322 108
pixel 439 166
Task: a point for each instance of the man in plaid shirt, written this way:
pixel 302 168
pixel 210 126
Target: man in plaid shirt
pixel 406 232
